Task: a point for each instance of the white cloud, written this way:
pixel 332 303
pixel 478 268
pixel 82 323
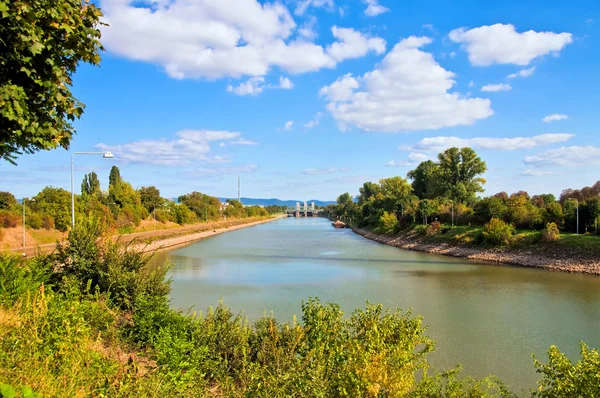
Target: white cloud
pixel 308 29
pixel 438 144
pixel 407 91
pixel 214 39
pixel 187 147
pixel 303 5
pixel 471 83
pixel 288 125
pixel 492 88
pixel 252 86
pixel 315 172
pixel 522 73
pixel 536 173
pixel 374 8
pixel 554 117
pixel 222 145
pixel 242 141
pixel 315 122
pixel 571 156
pixel 285 83
pixel 353 44
pixel 430 27
pixel 502 44
pixel 256 85
pixel 223 170
pixel 414 158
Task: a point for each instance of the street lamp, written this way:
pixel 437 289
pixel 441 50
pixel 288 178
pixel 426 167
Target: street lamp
pixel 105 155
pixel 577 202
pixel 24 200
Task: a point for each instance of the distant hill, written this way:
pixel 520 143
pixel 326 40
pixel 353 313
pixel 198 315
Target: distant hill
pixel 278 202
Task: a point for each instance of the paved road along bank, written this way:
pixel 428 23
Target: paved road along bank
pixel 551 258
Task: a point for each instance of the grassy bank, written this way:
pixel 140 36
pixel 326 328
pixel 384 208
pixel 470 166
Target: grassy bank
pixel 91 320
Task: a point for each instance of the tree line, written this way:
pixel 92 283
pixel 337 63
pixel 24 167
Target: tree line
pixel 446 191
pixel 121 206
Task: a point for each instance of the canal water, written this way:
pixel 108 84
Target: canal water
pixel 489 318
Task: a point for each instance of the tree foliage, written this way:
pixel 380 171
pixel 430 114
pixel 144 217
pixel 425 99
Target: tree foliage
pixel 90 184
pixel 41 46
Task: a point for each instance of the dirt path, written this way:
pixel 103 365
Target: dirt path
pixel 165 238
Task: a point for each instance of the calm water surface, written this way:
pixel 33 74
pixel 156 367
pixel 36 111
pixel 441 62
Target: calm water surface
pixel 488 318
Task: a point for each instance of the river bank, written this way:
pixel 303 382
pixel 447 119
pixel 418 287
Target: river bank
pixel 170 242
pixel 543 256
pixel 162 238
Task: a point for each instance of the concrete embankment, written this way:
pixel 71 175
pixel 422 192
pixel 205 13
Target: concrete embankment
pixel 170 242
pixel 546 257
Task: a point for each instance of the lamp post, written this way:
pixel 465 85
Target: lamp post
pixel 24 228
pixel 577 225
pixel 105 155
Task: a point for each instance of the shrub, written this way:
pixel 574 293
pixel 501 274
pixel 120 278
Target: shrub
pixel 563 379
pixel 497 232
pixel 8 219
pixel 34 220
pixel 421 229
pixel 434 228
pixel 388 223
pixel 551 232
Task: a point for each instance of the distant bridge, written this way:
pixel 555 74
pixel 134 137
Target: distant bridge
pixel 303 210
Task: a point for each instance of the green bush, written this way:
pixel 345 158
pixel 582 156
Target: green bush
pixel 34 220
pixel 388 223
pixel 18 277
pixel 551 232
pixel 421 229
pixel 497 232
pixel 563 379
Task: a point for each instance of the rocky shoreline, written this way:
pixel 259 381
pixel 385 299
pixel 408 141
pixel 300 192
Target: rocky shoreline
pixel 550 258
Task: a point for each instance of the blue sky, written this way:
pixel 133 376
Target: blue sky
pixel 307 99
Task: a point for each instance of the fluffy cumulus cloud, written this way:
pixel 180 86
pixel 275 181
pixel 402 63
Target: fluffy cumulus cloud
pixel 502 44
pixel 522 73
pixel 374 8
pixel 438 144
pixel 256 85
pixel 570 156
pixel 213 39
pixel 409 90
pixel 492 88
pixel 314 122
pixel 288 125
pixel 316 172
pixel 554 117
pixel 187 147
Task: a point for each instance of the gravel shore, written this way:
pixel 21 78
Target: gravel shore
pixel 547 257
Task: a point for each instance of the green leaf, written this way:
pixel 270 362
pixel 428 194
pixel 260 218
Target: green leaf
pixel 7 391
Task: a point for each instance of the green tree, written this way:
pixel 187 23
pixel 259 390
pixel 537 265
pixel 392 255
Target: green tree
pixel 396 192
pixel 55 202
pixel 115 176
pixel 459 171
pixel 150 197
pixel 90 185
pixel 425 179
pixel 367 191
pixel 41 46
pixel 7 200
pixel 427 208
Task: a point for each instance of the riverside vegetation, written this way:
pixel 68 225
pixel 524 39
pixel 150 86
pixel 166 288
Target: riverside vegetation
pixel 440 203
pixel 121 208
pixel 92 320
